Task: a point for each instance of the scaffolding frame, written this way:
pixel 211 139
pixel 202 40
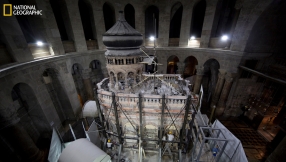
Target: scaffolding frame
pixel 116 106
pixel 214 134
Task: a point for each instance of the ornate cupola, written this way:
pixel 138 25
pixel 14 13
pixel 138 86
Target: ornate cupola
pixel 123 55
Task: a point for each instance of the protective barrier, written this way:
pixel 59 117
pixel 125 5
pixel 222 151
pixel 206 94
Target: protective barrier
pixel 234 150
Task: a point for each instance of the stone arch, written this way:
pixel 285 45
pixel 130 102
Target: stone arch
pixel 95 64
pixel 30 113
pixel 190 66
pixel 198 16
pixel 129 13
pixel 128 127
pixel 112 78
pixel 116 71
pixel 55 67
pixel 120 76
pixel 76 72
pixel 76 69
pixel 209 80
pixel 96 74
pixel 109 15
pixel 150 130
pixel 172 66
pixel 131 78
pixel 149 22
pixel 55 86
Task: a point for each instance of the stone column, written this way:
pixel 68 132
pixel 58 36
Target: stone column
pixel 224 94
pixel 87 83
pixel 116 84
pixel 76 25
pixel 126 81
pixel 140 18
pixel 11 34
pixel 164 26
pixel 22 143
pixel 98 20
pixel 111 80
pixel 208 23
pixel 17 137
pixel 279 153
pixel 134 82
pixel 198 81
pixel 49 27
pixel 186 24
pixel 218 88
pixel 181 66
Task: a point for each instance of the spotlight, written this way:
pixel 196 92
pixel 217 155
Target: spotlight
pixel 193 37
pixel 152 38
pixel 39 43
pixel 224 37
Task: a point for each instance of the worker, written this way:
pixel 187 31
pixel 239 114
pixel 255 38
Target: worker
pixel 215 150
pixel 109 144
pixel 170 136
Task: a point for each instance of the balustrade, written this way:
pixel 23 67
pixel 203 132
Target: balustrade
pixel 123 61
pixel 148 101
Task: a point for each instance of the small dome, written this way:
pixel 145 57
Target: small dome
pixel 122 35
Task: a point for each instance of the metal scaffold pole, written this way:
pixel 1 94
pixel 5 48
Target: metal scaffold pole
pixel 140 127
pixel 161 128
pixel 114 104
pixel 188 104
pixel 98 106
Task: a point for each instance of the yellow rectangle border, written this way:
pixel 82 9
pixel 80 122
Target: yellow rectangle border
pixel 5 5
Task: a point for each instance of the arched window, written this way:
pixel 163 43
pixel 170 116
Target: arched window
pixel 109 15
pixel 190 66
pixel 198 19
pixel 176 18
pixel 172 66
pixel 129 14
pixel 151 14
pixel 210 78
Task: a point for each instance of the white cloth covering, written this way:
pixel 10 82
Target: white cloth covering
pixel 82 150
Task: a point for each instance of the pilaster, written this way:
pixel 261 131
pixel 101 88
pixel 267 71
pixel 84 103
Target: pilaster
pixel 199 77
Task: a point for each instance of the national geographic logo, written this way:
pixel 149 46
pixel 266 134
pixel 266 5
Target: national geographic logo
pixel 9 10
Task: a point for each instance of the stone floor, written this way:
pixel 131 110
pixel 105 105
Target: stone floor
pixel 254 144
